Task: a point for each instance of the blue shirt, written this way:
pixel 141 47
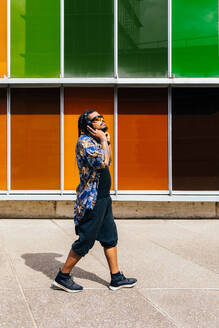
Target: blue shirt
pixel 90 158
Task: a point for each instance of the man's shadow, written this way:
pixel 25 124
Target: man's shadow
pixel 48 265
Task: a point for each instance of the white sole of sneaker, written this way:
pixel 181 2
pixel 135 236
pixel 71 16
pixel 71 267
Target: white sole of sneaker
pixel 124 286
pixel 58 286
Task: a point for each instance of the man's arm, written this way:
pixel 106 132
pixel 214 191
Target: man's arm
pixel 109 145
pixel 107 151
pixel 110 158
pixel 94 156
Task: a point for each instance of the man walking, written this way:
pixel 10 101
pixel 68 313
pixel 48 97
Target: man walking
pixel 93 207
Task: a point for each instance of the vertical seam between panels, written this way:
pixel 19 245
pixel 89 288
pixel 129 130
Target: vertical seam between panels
pixel 116 39
pixel 8 38
pixel 218 26
pixel 8 140
pixel 170 172
pixel 62 139
pixel 169 38
pixel 62 38
pixel 116 140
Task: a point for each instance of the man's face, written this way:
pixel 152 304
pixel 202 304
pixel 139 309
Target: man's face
pixel 97 121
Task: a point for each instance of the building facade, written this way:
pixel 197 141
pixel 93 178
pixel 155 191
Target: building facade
pixel 150 67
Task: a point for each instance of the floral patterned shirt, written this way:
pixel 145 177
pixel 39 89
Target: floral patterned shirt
pixel 90 158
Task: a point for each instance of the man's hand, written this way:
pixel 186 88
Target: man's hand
pixel 99 134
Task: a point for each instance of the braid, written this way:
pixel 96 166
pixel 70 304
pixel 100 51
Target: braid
pixel 82 121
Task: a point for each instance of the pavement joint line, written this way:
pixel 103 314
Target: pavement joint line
pixel 60 228
pixel 183 257
pixel 201 234
pixel 6 288
pixel 185 228
pixel 96 258
pixel 21 289
pixel 180 288
pixel 159 309
pixel 138 288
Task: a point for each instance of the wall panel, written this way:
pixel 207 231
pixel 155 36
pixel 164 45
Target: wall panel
pixel 3 38
pixel 89 38
pixel 195 139
pixel 143 34
pixel 3 139
pixel 77 100
pixel 35 139
pixel 143 139
pixel 195 38
pixel 35 38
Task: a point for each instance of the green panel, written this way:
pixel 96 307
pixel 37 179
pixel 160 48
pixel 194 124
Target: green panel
pixel 143 34
pixel 89 38
pixel 195 38
pixel 35 38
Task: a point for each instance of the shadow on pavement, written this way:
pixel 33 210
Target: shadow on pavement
pixel 49 265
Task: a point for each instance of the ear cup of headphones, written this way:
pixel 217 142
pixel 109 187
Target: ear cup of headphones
pixel 84 121
pixel 89 123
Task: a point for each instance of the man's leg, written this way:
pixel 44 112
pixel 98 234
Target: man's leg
pixel 118 280
pixel 108 238
pixel 111 256
pixel 87 232
pixel 63 279
pixel 72 259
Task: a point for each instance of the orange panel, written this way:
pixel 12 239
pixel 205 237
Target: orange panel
pixel 3 139
pixel 3 38
pixel 35 139
pixel 77 100
pixel 143 139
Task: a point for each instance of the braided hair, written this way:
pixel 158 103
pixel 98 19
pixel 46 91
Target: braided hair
pixel 83 121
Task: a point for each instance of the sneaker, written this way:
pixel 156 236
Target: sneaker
pixel 121 281
pixel 66 283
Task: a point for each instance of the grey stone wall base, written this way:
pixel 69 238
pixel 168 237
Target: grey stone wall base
pixel 27 209
pixel 166 210
pixel 64 209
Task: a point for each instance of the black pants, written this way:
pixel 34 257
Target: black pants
pixel 97 224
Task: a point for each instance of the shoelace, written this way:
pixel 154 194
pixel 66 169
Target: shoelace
pixel 122 276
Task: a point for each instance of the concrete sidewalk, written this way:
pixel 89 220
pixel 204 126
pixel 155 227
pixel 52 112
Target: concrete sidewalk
pixel 176 263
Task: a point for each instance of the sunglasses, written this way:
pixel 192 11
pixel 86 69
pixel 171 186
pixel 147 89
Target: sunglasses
pixel 97 119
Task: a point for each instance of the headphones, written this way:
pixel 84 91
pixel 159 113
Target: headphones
pixel 84 121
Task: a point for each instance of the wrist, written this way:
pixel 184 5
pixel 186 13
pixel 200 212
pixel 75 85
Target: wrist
pixel 103 140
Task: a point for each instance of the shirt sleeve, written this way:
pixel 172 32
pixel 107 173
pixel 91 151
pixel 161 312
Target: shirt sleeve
pixel 94 156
